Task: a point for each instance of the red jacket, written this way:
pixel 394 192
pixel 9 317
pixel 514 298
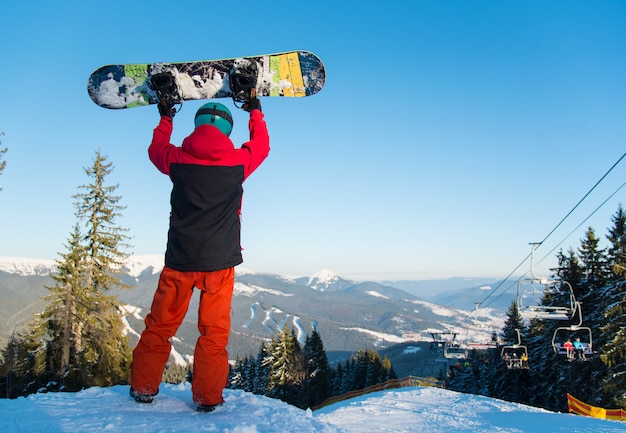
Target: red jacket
pixel 207 173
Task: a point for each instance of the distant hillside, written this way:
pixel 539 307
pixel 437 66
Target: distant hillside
pixel 349 315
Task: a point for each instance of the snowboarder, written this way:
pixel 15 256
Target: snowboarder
pixel 203 245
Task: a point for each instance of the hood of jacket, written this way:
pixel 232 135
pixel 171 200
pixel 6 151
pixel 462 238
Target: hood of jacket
pixel 208 142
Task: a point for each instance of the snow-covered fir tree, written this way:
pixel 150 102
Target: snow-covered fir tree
pixel 79 341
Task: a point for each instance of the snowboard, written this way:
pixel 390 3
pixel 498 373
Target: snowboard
pixel 289 74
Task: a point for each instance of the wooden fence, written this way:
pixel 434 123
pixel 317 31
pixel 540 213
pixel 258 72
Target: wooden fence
pixel 390 384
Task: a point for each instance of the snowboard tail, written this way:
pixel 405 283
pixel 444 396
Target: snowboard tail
pixel 290 74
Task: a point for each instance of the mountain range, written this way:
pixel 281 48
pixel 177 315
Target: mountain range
pixel 349 315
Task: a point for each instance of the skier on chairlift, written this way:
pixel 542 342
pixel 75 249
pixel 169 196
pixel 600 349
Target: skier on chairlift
pixel 569 349
pixel 579 349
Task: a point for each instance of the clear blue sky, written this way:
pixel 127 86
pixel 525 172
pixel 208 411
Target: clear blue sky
pixel 448 137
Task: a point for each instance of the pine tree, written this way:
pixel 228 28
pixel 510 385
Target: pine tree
pixel 176 373
pixel 511 384
pixel 317 383
pixel 3 163
pixel 617 238
pixel 243 374
pixel 106 353
pixel 594 264
pixel 613 353
pixel 66 311
pixel 24 362
pixel 388 373
pixel 465 379
pixel 261 385
pixel 98 208
pixel 348 378
pixel 363 369
pixel 570 270
pixel 336 379
pixel 595 304
pixel 285 370
pixel 546 367
pixel 249 373
pixel 374 368
pixel 512 325
pixel 79 340
pixel 360 371
pixel 235 376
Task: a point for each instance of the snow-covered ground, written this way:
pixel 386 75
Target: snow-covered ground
pixel 428 410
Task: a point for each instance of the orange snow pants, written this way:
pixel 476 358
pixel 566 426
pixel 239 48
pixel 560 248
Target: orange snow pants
pixel 169 306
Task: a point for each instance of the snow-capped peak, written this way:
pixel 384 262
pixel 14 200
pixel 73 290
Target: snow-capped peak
pixel 323 276
pixel 324 279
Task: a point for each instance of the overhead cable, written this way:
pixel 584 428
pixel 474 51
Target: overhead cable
pixel 556 227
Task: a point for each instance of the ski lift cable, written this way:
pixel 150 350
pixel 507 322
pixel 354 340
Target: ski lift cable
pixel 513 284
pixel 583 222
pixel 582 199
pixel 503 281
pixel 549 253
pixel 555 228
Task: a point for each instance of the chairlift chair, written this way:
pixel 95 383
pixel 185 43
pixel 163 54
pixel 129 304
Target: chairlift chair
pixel 544 312
pixel 484 345
pixel 440 339
pixel 515 356
pixel 573 333
pixel 492 343
pixel 454 350
pixel 564 311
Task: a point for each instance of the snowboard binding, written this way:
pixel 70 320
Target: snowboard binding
pixel 164 84
pixel 242 81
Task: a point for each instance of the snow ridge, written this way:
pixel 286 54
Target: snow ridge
pixel 136 264
pixel 139 263
pixel 25 266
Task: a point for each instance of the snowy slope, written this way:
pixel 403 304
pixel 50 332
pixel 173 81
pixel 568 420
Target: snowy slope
pixel 428 410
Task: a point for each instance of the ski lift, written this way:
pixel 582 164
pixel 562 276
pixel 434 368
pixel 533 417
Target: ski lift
pixel 515 356
pixel 565 311
pixel 454 350
pixel 492 343
pixel 544 312
pixel 440 339
pixel 485 343
pixel 575 342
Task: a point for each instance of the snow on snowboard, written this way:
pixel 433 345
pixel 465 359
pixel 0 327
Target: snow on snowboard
pixel 290 74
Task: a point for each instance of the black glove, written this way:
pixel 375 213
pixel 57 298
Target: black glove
pixel 253 104
pixel 166 110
